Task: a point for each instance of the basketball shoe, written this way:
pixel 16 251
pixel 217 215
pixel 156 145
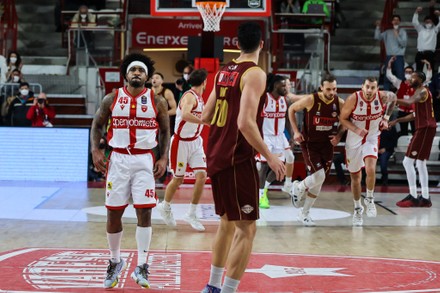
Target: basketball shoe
pixel 287 187
pixel 371 207
pixel 264 201
pixel 305 219
pixel 113 272
pixel 194 222
pixel 424 202
pixel 140 275
pixel 166 213
pixel 357 216
pixel 211 289
pixel 408 202
pixel 296 193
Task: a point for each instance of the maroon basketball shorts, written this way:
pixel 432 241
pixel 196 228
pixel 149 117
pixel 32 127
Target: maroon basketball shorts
pixel 235 191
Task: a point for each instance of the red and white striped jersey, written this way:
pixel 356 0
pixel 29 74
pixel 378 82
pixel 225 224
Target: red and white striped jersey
pixel 184 129
pixel 367 115
pixel 274 114
pixel 133 122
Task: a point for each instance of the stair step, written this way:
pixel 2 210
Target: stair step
pixel 70 109
pixel 66 99
pixel 70 120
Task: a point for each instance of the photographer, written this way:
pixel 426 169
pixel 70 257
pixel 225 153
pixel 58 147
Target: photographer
pixel 41 114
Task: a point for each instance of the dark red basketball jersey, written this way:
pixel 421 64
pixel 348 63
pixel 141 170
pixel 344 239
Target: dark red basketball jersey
pixel 321 120
pixel 424 113
pixel 226 145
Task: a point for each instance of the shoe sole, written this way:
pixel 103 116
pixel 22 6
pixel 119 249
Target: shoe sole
pixel 133 276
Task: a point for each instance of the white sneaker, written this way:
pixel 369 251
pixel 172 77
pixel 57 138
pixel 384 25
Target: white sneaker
pixel 371 207
pixel 357 216
pixel 296 193
pixel 305 219
pixel 194 222
pixel 287 187
pixel 167 214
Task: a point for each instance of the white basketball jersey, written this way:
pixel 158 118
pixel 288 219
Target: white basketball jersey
pixel 274 113
pixel 133 122
pixel 185 129
pixel 367 115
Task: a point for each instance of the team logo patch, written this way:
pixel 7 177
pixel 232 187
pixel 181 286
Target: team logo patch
pixel 144 100
pixel 232 67
pixel 144 108
pixel 122 106
pixel 109 185
pixel 247 209
pixel 334 107
pixel 375 149
pixel 180 164
pixel 414 153
pixel 334 114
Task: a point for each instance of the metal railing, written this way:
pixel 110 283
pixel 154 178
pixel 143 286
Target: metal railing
pixel 11 89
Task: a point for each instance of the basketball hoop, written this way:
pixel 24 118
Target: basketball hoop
pixel 211 12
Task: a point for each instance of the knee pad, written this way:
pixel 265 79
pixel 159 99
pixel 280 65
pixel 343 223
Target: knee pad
pixel 290 157
pixel 319 176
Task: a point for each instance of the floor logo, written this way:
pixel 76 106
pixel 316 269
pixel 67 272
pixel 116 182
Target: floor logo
pixel 83 270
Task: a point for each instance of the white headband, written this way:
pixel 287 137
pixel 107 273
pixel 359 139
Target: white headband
pixel 137 63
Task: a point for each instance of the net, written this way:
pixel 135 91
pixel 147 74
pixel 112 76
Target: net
pixel 211 12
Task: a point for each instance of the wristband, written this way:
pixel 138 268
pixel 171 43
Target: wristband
pixel 386 117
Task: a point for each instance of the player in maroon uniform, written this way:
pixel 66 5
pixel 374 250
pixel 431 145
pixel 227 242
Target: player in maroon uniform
pixel 420 145
pixel 232 110
pixel 319 135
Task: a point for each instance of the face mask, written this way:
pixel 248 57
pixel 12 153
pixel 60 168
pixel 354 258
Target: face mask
pixel 83 16
pixel 186 76
pixel 16 78
pixel 24 92
pixel 13 60
pixel 429 25
pixel 408 76
pixel 396 27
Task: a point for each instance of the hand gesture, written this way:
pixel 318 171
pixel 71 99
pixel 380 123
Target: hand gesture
pixel 437 12
pixel 392 59
pixel 419 9
pixel 392 123
pixel 377 23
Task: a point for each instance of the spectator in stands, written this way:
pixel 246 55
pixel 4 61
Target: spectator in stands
pixel 388 141
pixel 83 18
pixel 19 106
pixel 290 6
pixel 182 84
pixel 159 89
pixel 434 87
pixel 13 62
pixel 306 9
pixel 395 40
pixel 404 91
pixel 41 114
pixel 426 38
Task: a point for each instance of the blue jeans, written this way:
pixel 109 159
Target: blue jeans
pixel 383 161
pixel 398 69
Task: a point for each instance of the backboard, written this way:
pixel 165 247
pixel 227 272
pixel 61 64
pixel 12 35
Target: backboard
pixel 249 8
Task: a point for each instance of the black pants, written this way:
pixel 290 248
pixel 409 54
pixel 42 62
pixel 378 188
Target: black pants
pixel 428 55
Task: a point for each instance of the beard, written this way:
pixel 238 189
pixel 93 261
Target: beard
pixel 136 83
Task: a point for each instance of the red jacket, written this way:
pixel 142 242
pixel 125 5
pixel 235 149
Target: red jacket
pixel 38 116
